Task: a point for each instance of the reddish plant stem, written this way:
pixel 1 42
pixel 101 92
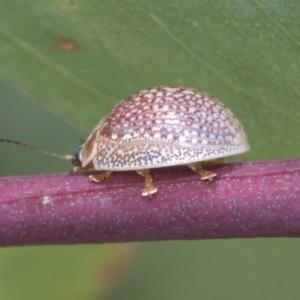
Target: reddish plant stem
pixel 253 199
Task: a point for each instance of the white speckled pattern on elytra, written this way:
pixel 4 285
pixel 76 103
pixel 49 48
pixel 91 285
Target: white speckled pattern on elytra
pixel 166 126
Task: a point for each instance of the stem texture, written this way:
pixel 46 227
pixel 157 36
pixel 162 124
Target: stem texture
pixel 252 199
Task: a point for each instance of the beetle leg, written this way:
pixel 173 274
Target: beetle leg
pixel 204 174
pixel 99 176
pixel 149 188
pixel 80 169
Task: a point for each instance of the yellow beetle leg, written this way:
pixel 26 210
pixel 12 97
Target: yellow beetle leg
pixel 204 174
pixel 99 176
pixel 149 188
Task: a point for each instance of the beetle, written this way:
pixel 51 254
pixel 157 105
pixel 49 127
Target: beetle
pixel 161 127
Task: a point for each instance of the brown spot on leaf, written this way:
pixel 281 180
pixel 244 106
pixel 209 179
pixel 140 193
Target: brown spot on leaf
pixel 115 268
pixel 67 44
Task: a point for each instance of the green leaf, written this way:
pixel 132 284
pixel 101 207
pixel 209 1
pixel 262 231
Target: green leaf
pixel 61 272
pixel 82 57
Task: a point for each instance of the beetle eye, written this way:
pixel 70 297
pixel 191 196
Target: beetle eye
pixel 77 158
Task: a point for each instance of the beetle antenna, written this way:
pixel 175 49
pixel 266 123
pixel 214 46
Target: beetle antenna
pixel 41 150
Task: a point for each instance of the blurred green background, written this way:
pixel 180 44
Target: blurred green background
pixel 64 64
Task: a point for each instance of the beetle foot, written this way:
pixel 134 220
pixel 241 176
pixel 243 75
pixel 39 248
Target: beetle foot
pixel 149 188
pixel 99 176
pixel 204 174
